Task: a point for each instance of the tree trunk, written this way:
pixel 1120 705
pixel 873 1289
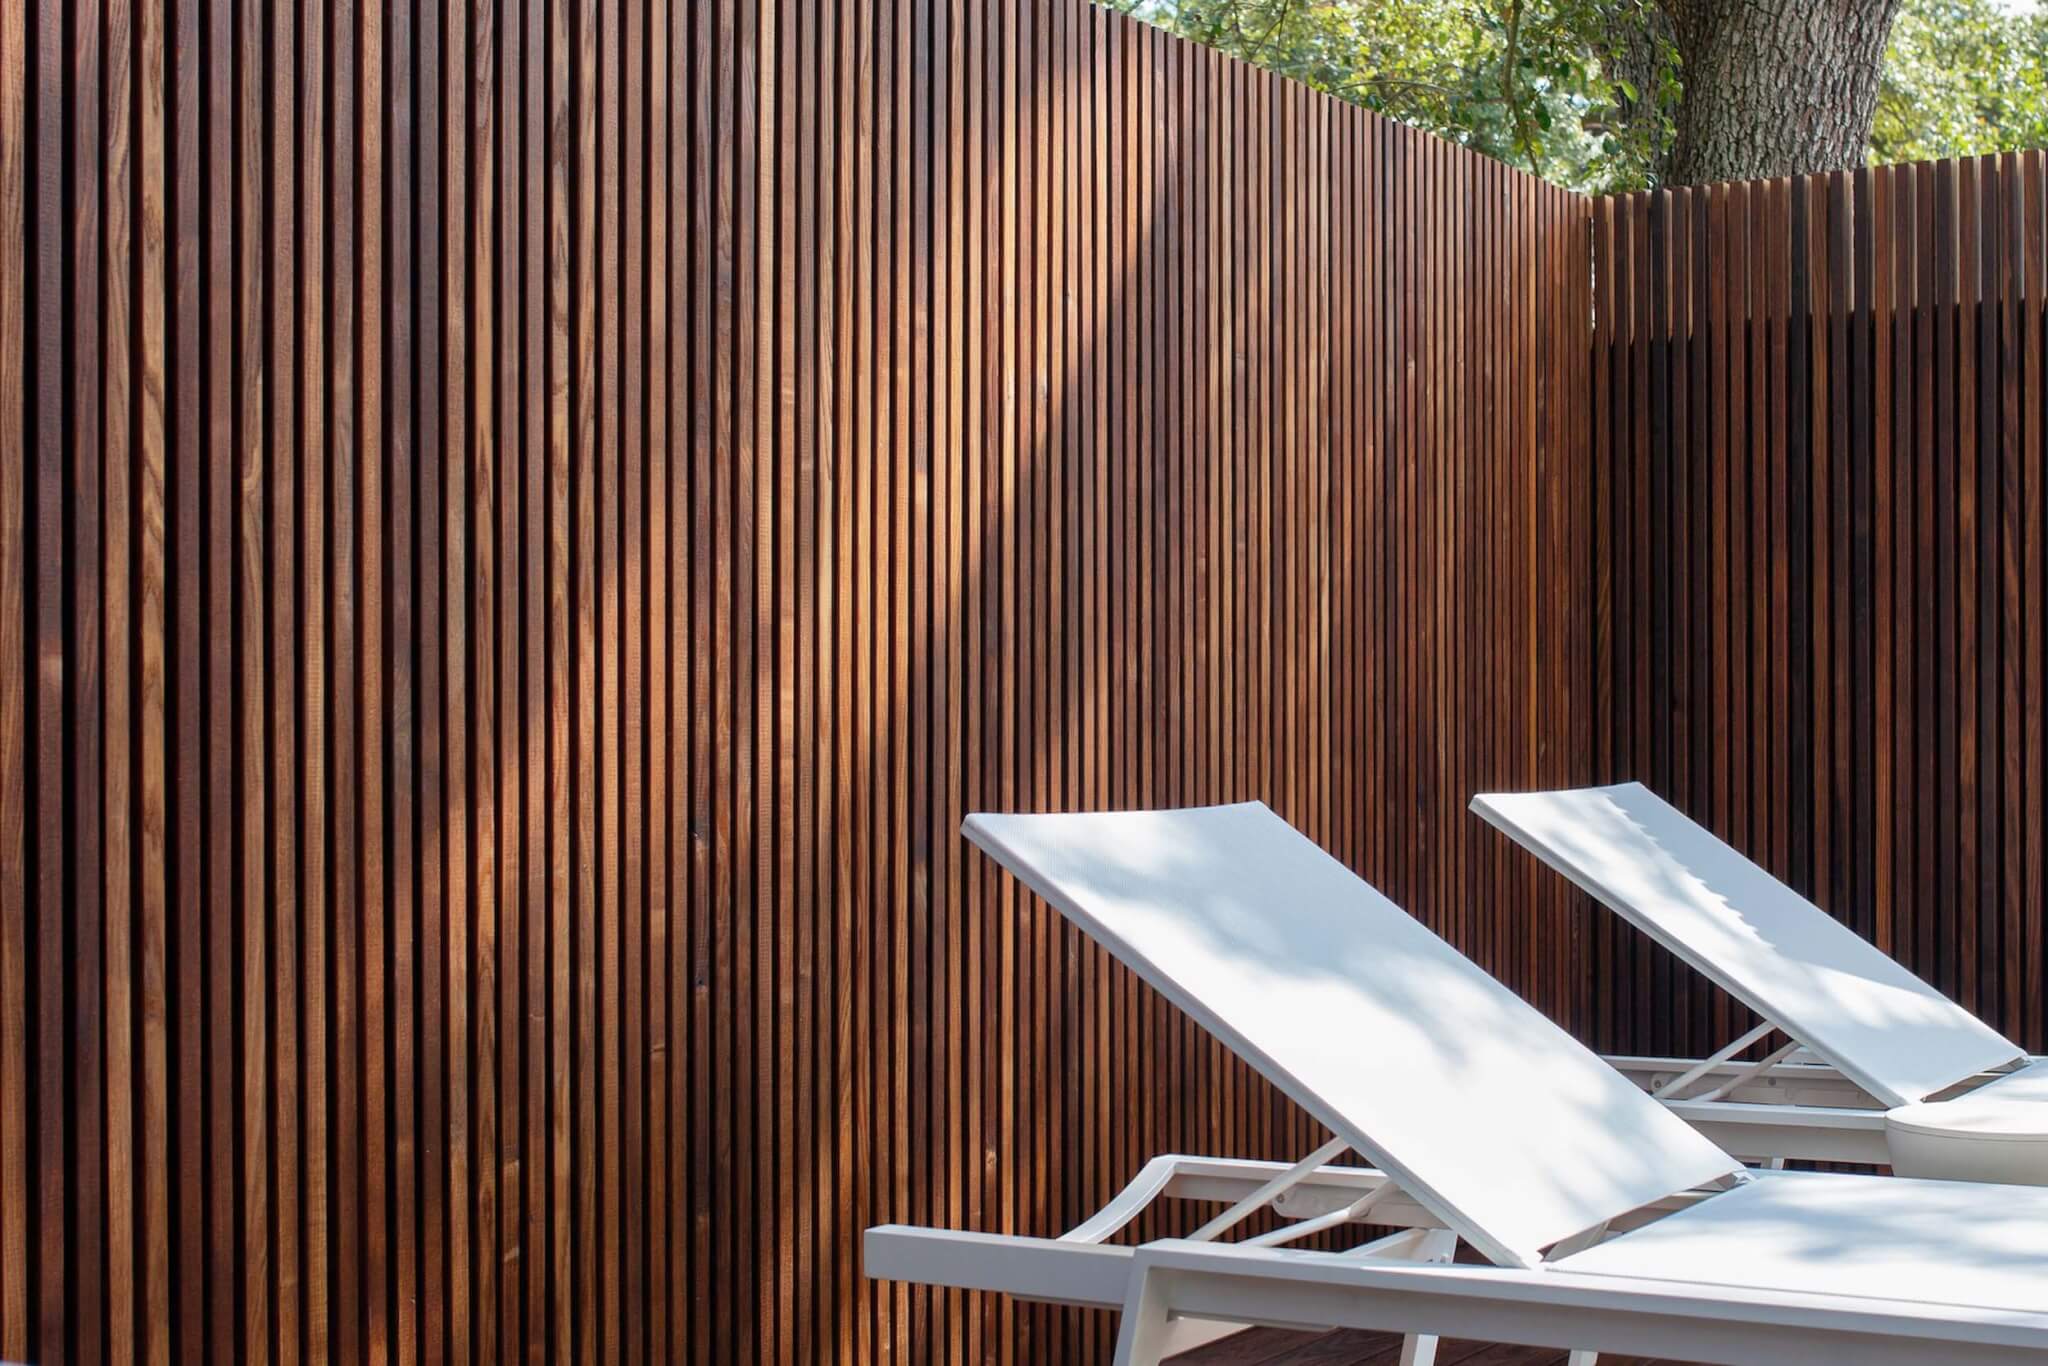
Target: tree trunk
pixel 1775 87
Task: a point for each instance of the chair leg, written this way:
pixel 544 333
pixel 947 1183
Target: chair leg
pixel 1145 1335
pixel 1418 1349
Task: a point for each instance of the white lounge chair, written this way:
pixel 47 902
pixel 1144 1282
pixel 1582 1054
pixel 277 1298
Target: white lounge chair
pixel 1610 1224
pixel 1880 1066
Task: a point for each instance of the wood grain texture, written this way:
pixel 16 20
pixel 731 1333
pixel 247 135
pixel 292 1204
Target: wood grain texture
pixel 1880 735
pixel 524 527
pixel 15 445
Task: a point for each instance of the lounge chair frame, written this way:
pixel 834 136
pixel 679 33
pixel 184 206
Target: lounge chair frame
pixel 1081 1267
pixel 1178 1293
pixel 1226 910
pixel 1790 1103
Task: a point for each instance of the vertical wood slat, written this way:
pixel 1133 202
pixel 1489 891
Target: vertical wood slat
pixel 15 675
pixel 1890 426
pixel 44 546
pixel 2031 239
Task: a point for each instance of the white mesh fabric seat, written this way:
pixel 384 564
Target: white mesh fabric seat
pixel 1757 939
pixel 1358 1012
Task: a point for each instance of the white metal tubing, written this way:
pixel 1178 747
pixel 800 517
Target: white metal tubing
pixel 1438 1246
pixel 1555 1308
pixel 1178 1176
pixel 1267 1193
pixel 1670 1090
pixel 1144 1335
pixel 1395 1246
pixel 1225 1181
pixel 1290 1232
pixel 1750 1073
pixel 1812 1133
pixel 1043 1269
pixel 1129 1203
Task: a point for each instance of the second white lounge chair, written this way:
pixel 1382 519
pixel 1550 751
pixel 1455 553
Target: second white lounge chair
pixel 1610 1224
pixel 1877 1066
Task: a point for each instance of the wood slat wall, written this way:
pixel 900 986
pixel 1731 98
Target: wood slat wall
pixel 524 527
pixel 1818 409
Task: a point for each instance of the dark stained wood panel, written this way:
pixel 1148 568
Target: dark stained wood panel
pixel 524 527
pixel 1876 482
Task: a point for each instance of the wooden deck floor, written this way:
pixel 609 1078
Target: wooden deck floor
pixel 1280 1347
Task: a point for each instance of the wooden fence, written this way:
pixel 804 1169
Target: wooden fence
pixel 525 527
pixel 1819 413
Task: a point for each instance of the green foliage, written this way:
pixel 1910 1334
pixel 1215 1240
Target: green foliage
pixel 1545 84
pixel 1962 78
pixel 1584 92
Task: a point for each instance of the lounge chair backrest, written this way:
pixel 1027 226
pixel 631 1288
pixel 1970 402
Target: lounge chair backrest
pixel 1496 1120
pixel 1763 943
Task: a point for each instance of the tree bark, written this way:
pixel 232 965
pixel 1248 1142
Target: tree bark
pixel 1774 87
